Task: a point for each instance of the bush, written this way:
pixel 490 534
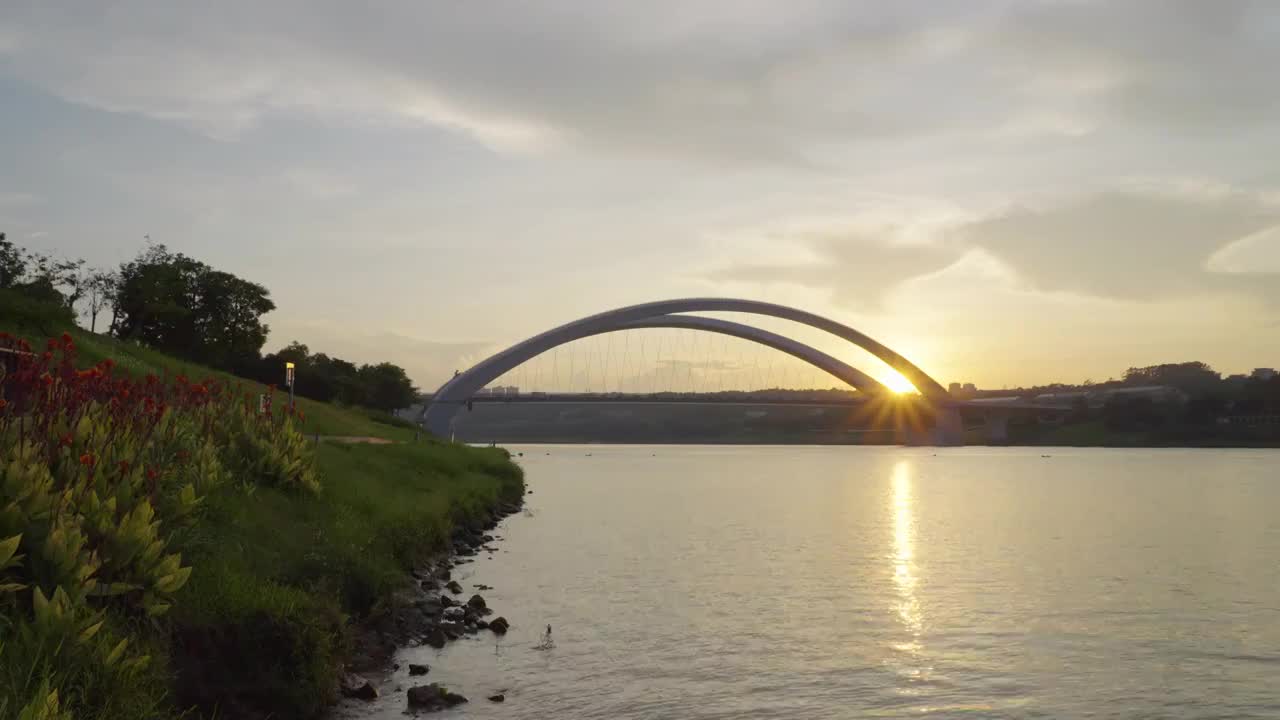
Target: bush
pixel 97 473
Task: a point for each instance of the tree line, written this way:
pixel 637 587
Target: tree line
pixel 185 308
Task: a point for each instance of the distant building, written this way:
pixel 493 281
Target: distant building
pixel 1263 373
pixel 1238 378
pixel 954 388
pixel 970 389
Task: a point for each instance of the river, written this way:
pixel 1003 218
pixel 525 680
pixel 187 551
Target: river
pixel 838 582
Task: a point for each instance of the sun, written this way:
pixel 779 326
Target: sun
pixel 897 383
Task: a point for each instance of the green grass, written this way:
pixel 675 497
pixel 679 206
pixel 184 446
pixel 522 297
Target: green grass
pixel 277 573
pixel 262 626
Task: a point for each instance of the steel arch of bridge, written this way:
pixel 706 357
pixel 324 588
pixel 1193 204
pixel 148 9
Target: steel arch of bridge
pixel 439 413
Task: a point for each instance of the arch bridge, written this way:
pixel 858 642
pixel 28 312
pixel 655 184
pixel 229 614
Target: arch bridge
pixel 439 414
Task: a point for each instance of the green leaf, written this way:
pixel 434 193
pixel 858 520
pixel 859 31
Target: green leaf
pixel 88 633
pixel 115 653
pixel 7 549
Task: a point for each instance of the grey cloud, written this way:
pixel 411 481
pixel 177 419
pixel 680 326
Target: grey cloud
pixel 1144 245
pixel 1158 63
pixel 731 79
pixel 1128 245
pixel 858 267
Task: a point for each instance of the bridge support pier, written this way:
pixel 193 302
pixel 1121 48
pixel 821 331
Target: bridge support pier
pixel 438 418
pixel 997 428
pixel 948 427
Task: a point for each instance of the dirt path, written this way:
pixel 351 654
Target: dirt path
pixel 357 439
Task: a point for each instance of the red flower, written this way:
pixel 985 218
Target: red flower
pixel 46 379
pixel 66 440
pixel 67 341
pixel 302 416
pixel 124 466
pixel 3 403
pixel 87 460
pixel 152 474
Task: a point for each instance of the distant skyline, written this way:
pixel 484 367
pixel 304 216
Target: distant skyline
pixel 1007 193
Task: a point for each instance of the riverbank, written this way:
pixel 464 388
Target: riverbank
pixel 295 592
pixel 442 606
pixel 277 553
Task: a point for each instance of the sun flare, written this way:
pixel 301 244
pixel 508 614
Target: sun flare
pixel 897 383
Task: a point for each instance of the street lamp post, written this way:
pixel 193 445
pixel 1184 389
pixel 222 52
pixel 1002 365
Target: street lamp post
pixel 288 380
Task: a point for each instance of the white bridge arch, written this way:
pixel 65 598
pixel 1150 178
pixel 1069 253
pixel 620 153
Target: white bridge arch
pixel 439 414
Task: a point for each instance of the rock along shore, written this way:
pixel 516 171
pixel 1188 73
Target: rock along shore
pixel 434 611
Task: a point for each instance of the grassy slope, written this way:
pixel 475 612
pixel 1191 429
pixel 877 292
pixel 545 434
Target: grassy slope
pixel 262 624
pixel 135 359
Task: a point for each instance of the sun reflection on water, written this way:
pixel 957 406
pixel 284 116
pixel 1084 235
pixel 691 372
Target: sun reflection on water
pixel 905 576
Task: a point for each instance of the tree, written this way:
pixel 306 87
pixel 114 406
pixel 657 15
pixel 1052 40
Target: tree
pixel 12 263
pixel 100 291
pixel 387 387
pixel 1190 377
pixel 336 379
pixel 182 306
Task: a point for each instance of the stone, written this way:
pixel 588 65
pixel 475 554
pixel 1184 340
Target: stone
pixel 416 669
pixel 444 575
pixel 499 625
pixel 498 698
pixel 446 601
pixel 454 587
pixel 482 586
pixel 455 613
pixel 476 602
pixel 482 624
pixel 354 686
pixel 433 697
pixel 435 637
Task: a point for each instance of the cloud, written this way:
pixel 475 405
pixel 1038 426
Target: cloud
pixel 1179 64
pixel 1149 243
pixel 858 266
pixel 18 199
pixel 1121 244
pixel 747 81
pixel 1256 253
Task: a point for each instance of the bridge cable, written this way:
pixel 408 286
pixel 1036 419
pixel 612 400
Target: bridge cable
pixel 608 356
pixel 693 352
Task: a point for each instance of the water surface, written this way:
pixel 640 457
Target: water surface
pixel 837 582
